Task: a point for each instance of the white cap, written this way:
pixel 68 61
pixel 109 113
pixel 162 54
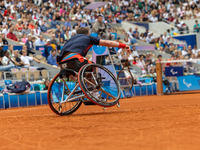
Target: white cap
pixel 48 40
pixel 182 22
pixel 19 20
pixel 149 33
pixel 82 12
pixel 178 25
pixel 13 11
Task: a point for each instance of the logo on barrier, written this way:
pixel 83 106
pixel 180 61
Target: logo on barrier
pixel 187 84
pixel 173 71
pixel 64 66
pixel 99 49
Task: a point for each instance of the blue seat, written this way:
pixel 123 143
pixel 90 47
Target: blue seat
pixel 8 82
pixel 115 34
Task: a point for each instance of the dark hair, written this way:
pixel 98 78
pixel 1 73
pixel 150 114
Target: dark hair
pixel 82 30
pixel 159 56
pixel 53 50
pixel 4 53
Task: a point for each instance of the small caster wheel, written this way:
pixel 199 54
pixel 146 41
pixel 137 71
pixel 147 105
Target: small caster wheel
pixel 118 105
pixel 104 108
pixel 60 109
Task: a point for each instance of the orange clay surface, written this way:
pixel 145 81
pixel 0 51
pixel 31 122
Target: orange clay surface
pixel 170 122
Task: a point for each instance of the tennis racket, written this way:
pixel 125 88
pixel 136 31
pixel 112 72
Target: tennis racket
pixel 125 76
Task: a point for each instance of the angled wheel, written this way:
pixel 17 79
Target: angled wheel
pixel 58 91
pixel 125 77
pixel 99 85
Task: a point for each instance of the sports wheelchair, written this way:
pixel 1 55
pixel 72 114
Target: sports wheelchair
pixel 79 83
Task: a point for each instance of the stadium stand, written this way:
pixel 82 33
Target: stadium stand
pixel 160 21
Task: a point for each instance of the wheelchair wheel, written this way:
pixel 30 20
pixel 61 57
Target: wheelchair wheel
pixel 99 85
pixel 58 91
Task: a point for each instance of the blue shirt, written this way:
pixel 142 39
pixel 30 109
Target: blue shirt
pixel 80 43
pixel 82 25
pixel 51 60
pixel 38 42
pixel 67 24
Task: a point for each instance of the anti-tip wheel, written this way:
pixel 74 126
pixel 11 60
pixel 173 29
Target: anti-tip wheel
pixel 118 105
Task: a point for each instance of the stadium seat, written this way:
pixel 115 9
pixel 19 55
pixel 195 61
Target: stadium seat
pixel 14 73
pixel 33 74
pixel 8 82
pixel 24 73
pixel 44 74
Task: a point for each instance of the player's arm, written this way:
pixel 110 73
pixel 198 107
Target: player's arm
pixel 113 44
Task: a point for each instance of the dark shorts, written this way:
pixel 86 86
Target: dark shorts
pixel 74 61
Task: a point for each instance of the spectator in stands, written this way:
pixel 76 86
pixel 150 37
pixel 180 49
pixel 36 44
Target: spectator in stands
pixel 10 50
pixel 1 51
pixel 17 60
pixel 5 30
pixel 53 40
pixel 101 28
pixel 146 32
pixel 36 31
pixel 12 36
pixel 154 18
pixel 19 26
pixel 195 50
pixel 61 42
pixel 196 26
pixel 184 51
pixel 47 84
pixel 45 29
pixel 7 11
pixel 54 22
pixel 33 34
pixel 25 30
pixel 5 42
pixel 9 23
pixel 48 42
pixel 67 23
pixel 142 64
pixel 29 45
pixel 24 39
pixel 52 58
pixel 134 52
pixel 66 35
pixel 26 59
pixel 136 31
pixel 40 41
pixel 7 60
pixel 6 67
pixel 31 25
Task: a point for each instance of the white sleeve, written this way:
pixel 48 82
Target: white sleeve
pixel 30 58
pixel 4 61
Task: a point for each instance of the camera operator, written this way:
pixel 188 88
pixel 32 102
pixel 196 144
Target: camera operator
pixel 101 28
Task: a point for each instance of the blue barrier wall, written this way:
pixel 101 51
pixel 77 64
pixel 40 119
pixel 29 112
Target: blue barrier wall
pixel 190 39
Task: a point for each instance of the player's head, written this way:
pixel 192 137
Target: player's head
pixel 83 30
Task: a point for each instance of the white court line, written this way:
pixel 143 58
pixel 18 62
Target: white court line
pixel 104 112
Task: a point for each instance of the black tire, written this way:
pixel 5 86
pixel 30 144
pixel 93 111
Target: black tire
pixel 75 104
pixel 106 90
pixel 126 84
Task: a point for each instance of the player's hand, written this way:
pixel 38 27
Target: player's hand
pixel 128 49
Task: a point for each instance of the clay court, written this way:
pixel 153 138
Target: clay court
pixel 169 122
